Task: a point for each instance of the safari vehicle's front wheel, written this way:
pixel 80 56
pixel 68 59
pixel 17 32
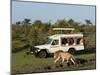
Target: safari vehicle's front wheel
pixel 72 50
pixel 42 54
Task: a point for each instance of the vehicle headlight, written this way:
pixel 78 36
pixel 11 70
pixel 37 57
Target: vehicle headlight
pixel 37 49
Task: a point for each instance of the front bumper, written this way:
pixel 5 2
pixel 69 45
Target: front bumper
pixel 34 50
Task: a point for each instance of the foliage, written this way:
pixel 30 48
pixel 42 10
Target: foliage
pixel 26 32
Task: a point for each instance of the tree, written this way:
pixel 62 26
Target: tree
pixel 18 23
pixel 38 22
pixel 26 21
pixel 26 26
pixel 88 22
pixel 62 23
pixel 71 21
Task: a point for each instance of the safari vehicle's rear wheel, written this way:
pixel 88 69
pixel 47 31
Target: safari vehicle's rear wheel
pixel 72 50
pixel 42 54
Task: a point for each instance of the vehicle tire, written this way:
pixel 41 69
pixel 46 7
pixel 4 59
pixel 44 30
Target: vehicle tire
pixel 72 50
pixel 42 54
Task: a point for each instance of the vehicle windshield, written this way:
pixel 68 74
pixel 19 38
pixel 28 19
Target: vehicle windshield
pixel 48 41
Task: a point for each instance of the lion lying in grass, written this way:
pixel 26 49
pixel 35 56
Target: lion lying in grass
pixel 64 56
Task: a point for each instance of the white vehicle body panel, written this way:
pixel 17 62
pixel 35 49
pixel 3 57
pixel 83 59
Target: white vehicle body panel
pixel 52 48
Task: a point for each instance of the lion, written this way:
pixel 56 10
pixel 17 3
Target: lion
pixel 64 56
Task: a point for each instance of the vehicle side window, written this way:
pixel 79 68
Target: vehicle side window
pixel 55 42
pixel 79 41
pixel 71 41
pixel 64 41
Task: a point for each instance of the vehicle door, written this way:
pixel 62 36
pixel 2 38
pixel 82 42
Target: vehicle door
pixel 54 45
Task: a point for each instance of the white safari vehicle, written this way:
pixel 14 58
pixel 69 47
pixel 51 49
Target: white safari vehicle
pixel 67 42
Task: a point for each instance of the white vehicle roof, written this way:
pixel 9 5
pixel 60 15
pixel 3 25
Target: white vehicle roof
pixel 65 35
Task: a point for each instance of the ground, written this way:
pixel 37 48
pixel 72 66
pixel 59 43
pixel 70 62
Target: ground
pixel 23 63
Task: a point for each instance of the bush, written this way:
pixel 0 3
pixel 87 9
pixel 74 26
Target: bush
pixel 18 46
pixel 90 41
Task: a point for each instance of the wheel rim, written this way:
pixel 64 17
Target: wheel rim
pixel 72 51
pixel 42 54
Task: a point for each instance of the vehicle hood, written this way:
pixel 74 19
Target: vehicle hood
pixel 45 46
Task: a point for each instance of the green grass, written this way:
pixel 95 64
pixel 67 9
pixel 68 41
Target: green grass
pixel 86 56
pixel 22 63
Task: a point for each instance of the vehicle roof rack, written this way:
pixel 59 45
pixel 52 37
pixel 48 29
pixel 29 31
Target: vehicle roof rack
pixel 62 29
pixel 67 30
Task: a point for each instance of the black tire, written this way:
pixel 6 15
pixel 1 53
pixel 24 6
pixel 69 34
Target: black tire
pixel 72 50
pixel 42 54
